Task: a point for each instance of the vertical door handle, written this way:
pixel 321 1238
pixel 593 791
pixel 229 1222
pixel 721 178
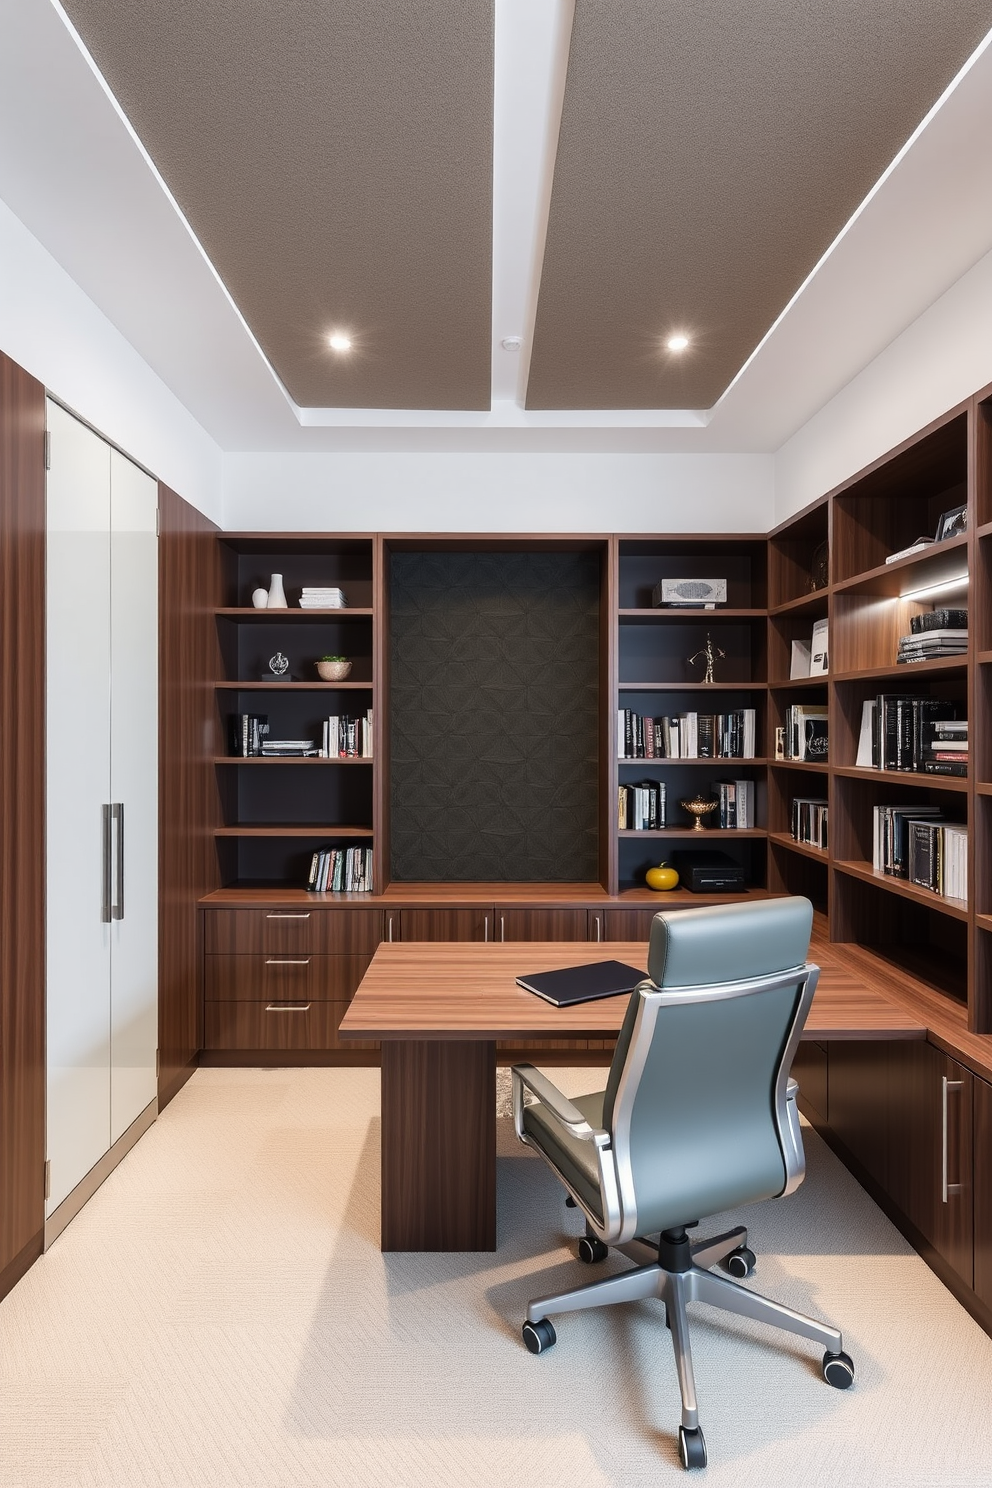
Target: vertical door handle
pixel 106 907
pixel 485 928
pixel 117 812
pixel 599 927
pixel 946 1188
pixel 502 927
pixel 389 928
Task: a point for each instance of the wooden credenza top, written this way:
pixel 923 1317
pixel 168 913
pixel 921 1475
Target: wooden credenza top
pixel 456 895
pixel 458 990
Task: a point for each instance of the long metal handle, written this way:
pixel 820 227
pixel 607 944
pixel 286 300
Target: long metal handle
pixel 106 907
pixel 946 1188
pixel 287 1007
pixel 274 961
pixel 485 928
pixel 599 927
pixel 502 927
pixel 288 916
pixel 389 928
pixel 118 815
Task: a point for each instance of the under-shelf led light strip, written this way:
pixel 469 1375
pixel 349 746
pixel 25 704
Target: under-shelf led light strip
pixel 961 582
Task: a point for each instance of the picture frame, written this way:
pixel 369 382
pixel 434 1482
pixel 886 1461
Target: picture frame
pixel 952 523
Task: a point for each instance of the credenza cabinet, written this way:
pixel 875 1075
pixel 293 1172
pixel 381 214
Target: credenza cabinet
pixel 102 801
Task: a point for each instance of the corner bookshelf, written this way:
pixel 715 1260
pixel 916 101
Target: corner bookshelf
pixel 940 942
pixel 277 812
pixel 655 677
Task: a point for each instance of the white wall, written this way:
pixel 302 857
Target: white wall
pixel 937 362
pixel 53 330
pixel 513 492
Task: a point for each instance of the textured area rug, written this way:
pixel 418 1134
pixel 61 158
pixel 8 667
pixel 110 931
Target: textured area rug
pixel 220 1315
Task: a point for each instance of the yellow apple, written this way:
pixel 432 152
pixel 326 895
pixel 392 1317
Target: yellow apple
pixel 661 877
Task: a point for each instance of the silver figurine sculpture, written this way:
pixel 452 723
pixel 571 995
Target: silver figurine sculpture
pixel 710 654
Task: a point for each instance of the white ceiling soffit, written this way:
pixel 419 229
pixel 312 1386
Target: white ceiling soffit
pixel 73 173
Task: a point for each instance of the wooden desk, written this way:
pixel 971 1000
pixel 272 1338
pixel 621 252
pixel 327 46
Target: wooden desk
pixel 439 1008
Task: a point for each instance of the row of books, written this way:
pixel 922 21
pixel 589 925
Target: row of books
pixel 346 737
pixel 915 843
pixel 928 644
pixel 809 821
pixel 341 869
pixel 248 730
pixel 642 807
pixel 736 809
pixel 805 734
pixel 687 735
pixel 913 734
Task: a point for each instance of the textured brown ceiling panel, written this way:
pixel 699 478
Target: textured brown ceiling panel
pixel 709 153
pixel 334 157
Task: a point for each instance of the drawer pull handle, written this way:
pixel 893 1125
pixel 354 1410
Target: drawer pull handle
pixel 274 961
pixel 288 916
pixel 946 1188
pixel 287 1007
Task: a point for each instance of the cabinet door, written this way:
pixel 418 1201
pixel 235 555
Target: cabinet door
pixel 134 787
pixel 626 924
pixel 78 787
pixel 858 1092
pixel 440 924
pixel 541 924
pixel 983 1190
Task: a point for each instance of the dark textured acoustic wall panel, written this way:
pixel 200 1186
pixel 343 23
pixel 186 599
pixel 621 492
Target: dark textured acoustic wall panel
pixel 494 701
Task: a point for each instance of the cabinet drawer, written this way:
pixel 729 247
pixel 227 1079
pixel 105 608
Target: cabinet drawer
pixel 286 931
pixel 289 1024
pixel 282 978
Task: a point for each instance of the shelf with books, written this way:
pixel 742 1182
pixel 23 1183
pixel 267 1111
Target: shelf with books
pixel 792 844
pixel 291 759
pixel 805 765
pixel 956 908
pixel 292 829
pixel 912 779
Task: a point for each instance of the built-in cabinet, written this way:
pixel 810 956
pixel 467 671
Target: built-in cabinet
pixel 102 800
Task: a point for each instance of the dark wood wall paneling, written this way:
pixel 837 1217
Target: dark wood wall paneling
pixel 22 840
pixel 190 587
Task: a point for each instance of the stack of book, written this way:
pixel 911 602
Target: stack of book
pixel 930 642
pixel 687 735
pixel 247 733
pixel 347 738
pixel 341 870
pixel 938 857
pixel 809 821
pixel 289 748
pixel 642 807
pixel 805 736
pixel 322 599
pixel 945 746
pixel 897 733
pixel 736 804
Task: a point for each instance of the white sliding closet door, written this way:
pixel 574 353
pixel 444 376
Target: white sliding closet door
pixel 78 786
pixel 102 798
pixel 134 790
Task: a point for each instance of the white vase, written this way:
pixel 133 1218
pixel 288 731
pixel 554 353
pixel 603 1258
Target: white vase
pixel 277 594
pixel 260 598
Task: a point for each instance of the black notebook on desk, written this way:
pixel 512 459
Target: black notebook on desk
pixel 582 983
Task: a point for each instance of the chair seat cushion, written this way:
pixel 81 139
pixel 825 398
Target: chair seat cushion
pixel 575 1160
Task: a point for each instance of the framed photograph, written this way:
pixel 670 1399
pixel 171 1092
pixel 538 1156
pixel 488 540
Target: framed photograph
pixel 952 523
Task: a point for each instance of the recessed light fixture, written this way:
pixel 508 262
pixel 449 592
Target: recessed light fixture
pixel 510 343
pixel 961 582
pixel 339 342
pixel 677 343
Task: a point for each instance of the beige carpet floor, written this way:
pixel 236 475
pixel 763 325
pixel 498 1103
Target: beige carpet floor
pixel 220 1314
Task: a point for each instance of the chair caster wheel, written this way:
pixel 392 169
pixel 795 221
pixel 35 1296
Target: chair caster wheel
pixel 539 1336
pixel 741 1262
pixel 838 1370
pixel 591 1249
pixel 692 1447
pixel 570 1202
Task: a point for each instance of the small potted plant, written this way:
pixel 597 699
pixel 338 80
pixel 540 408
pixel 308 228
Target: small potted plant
pixel 333 668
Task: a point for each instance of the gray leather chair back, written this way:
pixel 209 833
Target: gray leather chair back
pixel 696 1093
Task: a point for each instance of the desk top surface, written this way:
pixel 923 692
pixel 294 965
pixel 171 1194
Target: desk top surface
pixel 467 990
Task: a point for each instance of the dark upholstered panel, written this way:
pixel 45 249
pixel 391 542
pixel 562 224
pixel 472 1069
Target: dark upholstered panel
pixel 494 700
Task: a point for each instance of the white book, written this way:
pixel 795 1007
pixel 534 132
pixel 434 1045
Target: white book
pixel 818 656
pixel 800 660
pixel 749 733
pixel 867 733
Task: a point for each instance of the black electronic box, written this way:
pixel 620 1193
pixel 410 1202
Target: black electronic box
pixel 708 871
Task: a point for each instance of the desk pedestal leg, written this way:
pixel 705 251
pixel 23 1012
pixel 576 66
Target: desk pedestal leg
pixel 438 1145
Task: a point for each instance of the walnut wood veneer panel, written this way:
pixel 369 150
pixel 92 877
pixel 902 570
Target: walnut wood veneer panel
pixel 279 931
pixel 189 806
pixel 983 1190
pixel 22 794
pixel 438 1146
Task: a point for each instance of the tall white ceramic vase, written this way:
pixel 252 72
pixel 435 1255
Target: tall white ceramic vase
pixel 277 594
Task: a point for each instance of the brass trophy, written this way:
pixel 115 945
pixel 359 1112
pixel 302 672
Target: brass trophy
pixel 699 807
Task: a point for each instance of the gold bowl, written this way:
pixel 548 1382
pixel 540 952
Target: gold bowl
pixel 699 807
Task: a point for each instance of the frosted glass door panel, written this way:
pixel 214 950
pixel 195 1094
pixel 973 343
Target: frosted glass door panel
pixel 78 767
pixel 134 783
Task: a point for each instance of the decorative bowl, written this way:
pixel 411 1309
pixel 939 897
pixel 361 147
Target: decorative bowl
pixel 333 671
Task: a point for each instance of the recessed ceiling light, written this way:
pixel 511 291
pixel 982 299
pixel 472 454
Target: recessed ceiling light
pixel 339 342
pixel 677 343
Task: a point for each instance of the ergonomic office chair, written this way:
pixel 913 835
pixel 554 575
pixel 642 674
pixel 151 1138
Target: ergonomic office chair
pixel 698 1115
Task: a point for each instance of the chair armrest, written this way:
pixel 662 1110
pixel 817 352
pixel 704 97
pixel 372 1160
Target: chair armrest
pixel 561 1108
